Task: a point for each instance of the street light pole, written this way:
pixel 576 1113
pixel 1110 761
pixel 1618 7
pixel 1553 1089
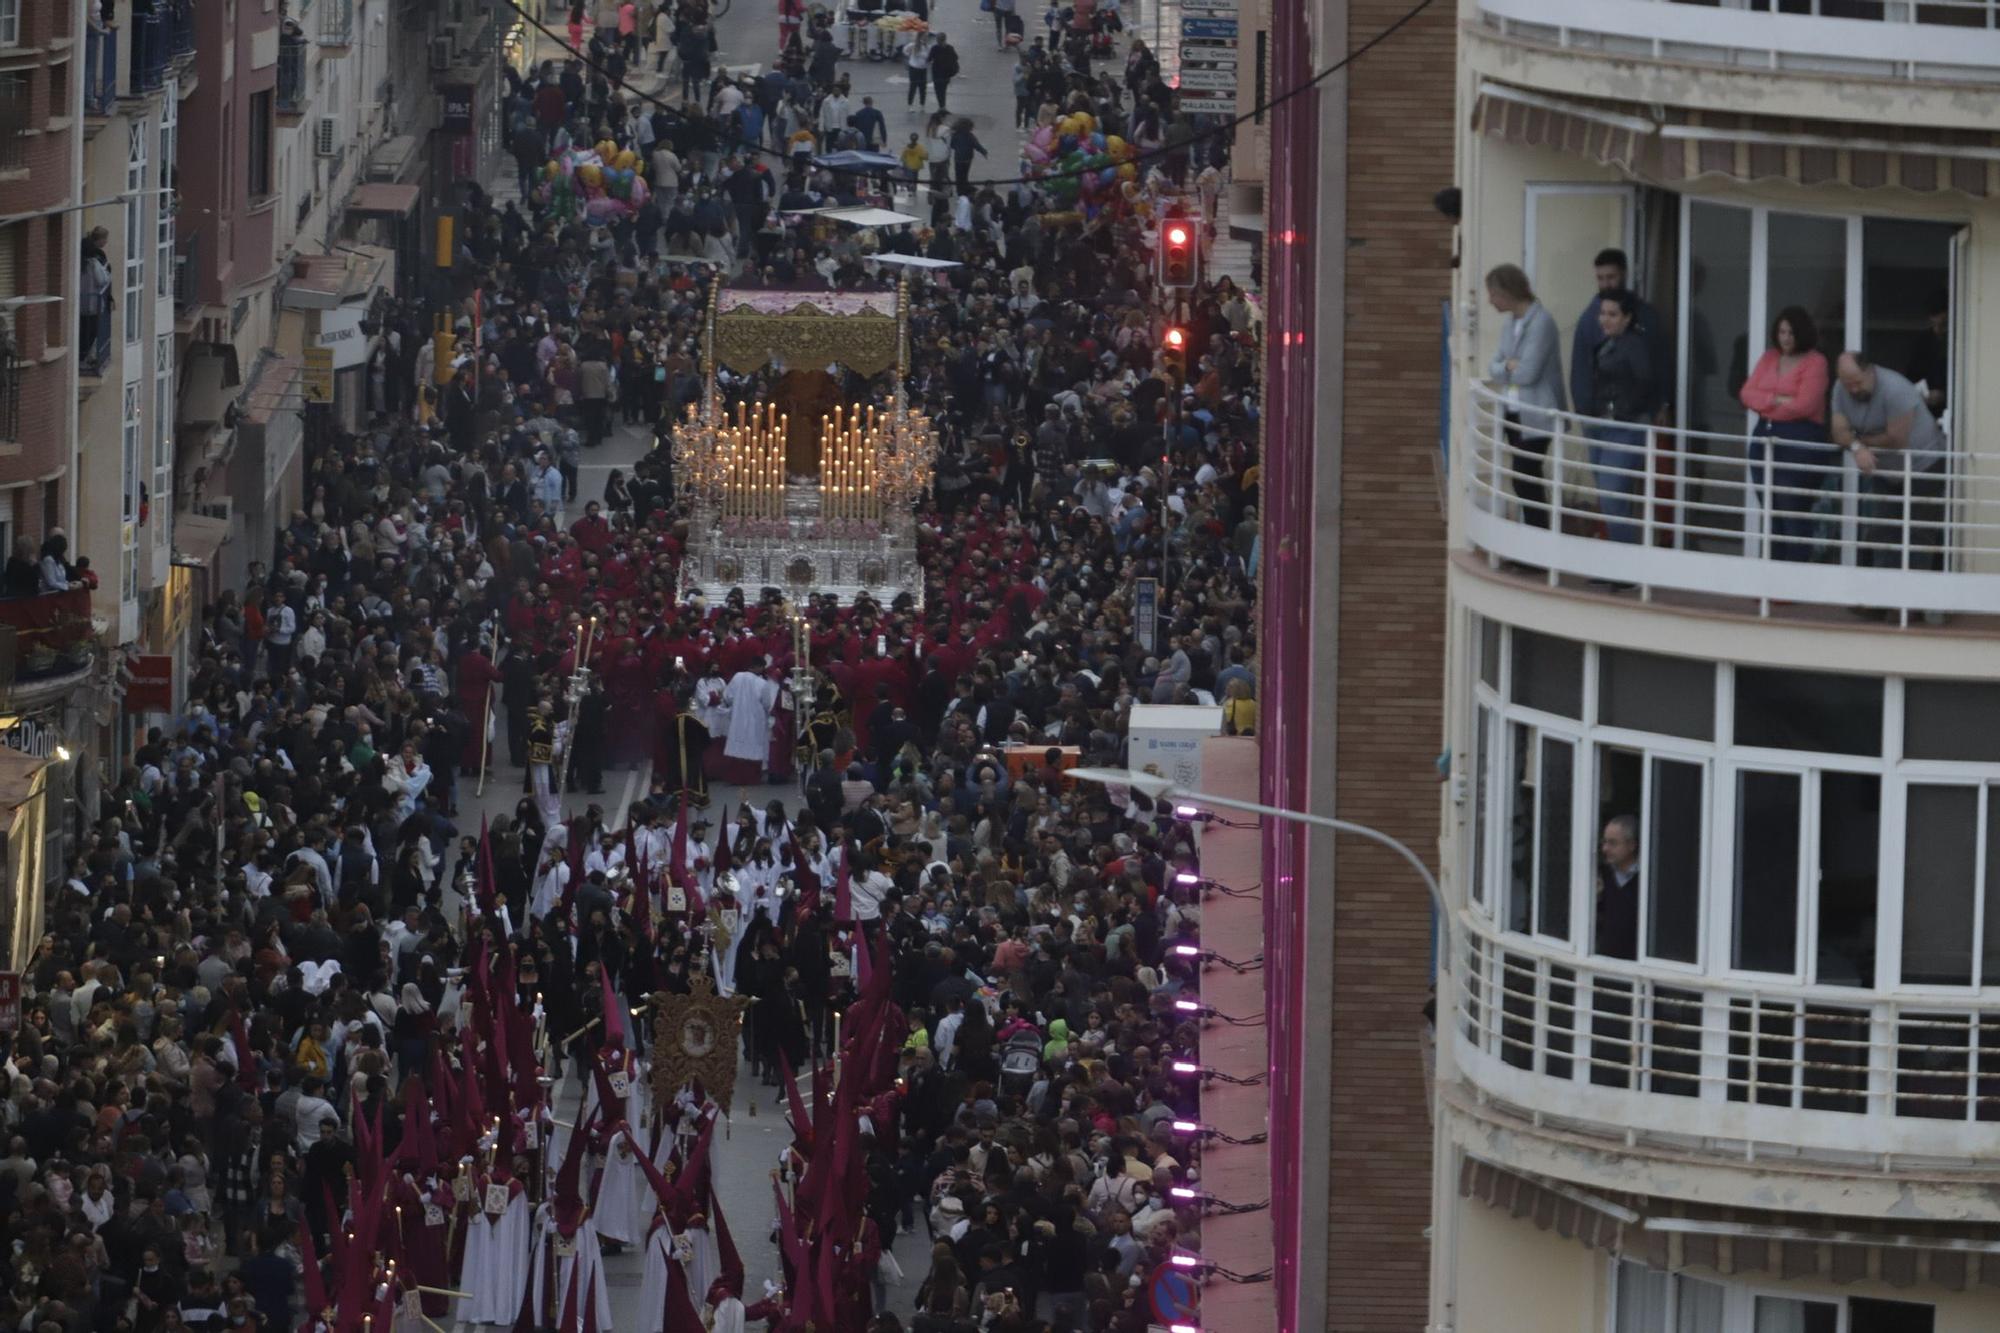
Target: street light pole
pixel 1162 789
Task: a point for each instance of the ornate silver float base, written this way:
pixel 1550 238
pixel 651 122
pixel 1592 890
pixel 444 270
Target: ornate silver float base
pixel 800 558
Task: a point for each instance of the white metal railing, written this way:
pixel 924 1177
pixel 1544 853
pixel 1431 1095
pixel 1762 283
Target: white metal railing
pixel 1639 1048
pixel 1734 514
pixel 1936 39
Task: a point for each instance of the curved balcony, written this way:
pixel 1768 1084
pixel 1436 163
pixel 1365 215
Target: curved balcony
pixel 1922 40
pixel 1699 513
pixel 1638 1050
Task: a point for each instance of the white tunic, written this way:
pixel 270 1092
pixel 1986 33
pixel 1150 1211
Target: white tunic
pixel 496 1265
pixel 653 1290
pixel 750 700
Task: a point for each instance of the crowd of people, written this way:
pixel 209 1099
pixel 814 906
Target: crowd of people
pixel 254 983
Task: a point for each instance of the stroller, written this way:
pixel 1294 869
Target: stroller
pixel 1020 1062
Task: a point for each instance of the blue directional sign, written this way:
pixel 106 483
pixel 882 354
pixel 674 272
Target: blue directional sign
pixel 1208 27
pixel 1175 1297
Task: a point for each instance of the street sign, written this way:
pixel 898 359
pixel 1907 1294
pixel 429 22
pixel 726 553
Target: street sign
pixel 1199 48
pixel 10 1001
pixel 1173 1295
pixel 319 374
pixel 1209 81
pixel 1193 27
pixel 1219 9
pixel 1215 60
pixel 1208 104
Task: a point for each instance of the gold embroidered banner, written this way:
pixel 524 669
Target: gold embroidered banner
pixel 695 1037
pixel 806 337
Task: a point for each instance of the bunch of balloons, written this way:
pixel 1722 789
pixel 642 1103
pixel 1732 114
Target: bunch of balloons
pixel 597 184
pixel 1083 168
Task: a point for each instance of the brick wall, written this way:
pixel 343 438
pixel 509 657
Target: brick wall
pixel 1391 646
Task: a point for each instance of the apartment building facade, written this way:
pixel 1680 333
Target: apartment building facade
pixel 1352 644
pixel 1716 1029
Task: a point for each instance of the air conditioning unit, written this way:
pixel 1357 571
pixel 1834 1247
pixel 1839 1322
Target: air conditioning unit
pixel 223 507
pixel 326 136
pixel 442 51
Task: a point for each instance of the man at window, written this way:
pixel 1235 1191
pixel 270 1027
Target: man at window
pixel 1618 888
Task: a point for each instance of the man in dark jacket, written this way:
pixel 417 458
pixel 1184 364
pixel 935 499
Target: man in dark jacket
pixel 944 68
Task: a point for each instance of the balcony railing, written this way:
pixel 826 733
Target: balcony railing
pixel 1680 1057
pixel 336 22
pixel 14 121
pixel 187 272
pixel 10 390
pixel 1904 39
pixel 100 71
pixel 149 53
pixel 291 76
pixel 180 28
pixel 53 632
pixel 1701 512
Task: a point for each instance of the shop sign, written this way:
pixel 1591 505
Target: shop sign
pixel 152 687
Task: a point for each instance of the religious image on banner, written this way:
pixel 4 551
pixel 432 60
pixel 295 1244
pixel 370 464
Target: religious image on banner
pixel 695 1037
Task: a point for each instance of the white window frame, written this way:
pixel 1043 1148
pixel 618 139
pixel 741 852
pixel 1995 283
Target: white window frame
pixel 129 443
pixel 135 228
pixel 1739 1300
pixel 169 156
pixel 1721 761
pixel 10 22
pixel 163 422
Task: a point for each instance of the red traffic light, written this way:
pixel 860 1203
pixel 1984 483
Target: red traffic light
pixel 1177 258
pixel 1176 338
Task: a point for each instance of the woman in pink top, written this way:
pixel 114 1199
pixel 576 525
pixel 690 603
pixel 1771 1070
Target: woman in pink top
pixel 1788 392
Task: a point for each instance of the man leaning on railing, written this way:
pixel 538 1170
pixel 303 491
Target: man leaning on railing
pixel 1881 419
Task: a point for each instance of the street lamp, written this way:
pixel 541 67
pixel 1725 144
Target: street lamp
pixel 1163 789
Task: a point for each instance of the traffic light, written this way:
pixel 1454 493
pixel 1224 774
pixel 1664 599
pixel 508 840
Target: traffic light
pixel 444 343
pixel 1173 353
pixel 1178 259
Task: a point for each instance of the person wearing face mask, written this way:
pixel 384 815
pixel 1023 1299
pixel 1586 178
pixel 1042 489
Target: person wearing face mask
pixel 157 1293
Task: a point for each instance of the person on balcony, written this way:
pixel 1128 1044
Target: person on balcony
pixel 94 300
pixel 1612 276
pixel 1527 372
pixel 1625 397
pixel 24 576
pixel 1788 391
pixel 55 562
pixel 1881 419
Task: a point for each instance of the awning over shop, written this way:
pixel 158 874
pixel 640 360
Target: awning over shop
pixel 383 197
pixel 197 538
pixel 211 380
pixel 1669 1234
pixel 1671 145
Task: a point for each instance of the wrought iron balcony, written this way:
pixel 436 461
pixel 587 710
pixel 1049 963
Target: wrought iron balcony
pixel 187 272
pixel 292 75
pixel 100 71
pixel 180 28
pixel 10 389
pixel 336 23
pixel 14 123
pixel 149 53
